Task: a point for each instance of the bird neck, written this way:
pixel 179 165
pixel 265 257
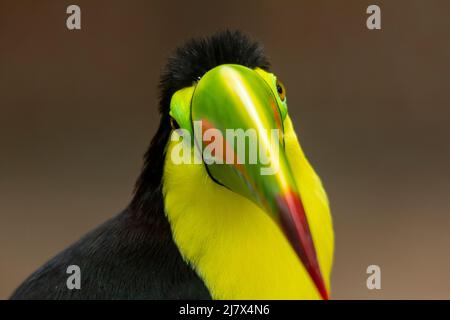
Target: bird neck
pixel 234 246
pixel 148 189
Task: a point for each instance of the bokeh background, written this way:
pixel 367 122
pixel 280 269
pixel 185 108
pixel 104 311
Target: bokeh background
pixel 78 109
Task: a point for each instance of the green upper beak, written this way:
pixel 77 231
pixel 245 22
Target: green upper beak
pixel 238 107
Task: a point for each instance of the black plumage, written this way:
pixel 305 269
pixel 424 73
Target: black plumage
pixel 133 255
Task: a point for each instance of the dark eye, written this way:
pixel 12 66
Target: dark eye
pixel 174 124
pixel 281 90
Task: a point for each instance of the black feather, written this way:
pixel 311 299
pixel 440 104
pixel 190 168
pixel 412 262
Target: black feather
pixel 133 256
pixel 125 258
pixel 199 55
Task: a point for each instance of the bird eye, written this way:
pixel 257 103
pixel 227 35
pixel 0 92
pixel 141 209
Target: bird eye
pixel 281 90
pixel 174 124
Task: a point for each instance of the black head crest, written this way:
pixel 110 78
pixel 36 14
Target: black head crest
pixel 199 55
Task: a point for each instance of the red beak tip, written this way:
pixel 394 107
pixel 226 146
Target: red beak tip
pixel 324 295
pixel 320 285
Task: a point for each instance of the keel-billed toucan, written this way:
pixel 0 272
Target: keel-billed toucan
pixel 205 229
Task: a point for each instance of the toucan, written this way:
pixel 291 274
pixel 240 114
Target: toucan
pixel 201 228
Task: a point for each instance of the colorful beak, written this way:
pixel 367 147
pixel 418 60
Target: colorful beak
pixel 237 112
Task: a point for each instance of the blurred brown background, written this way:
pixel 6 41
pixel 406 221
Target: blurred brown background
pixel 78 109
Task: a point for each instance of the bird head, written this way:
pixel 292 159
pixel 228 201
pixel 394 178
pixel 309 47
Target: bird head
pixel 229 117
